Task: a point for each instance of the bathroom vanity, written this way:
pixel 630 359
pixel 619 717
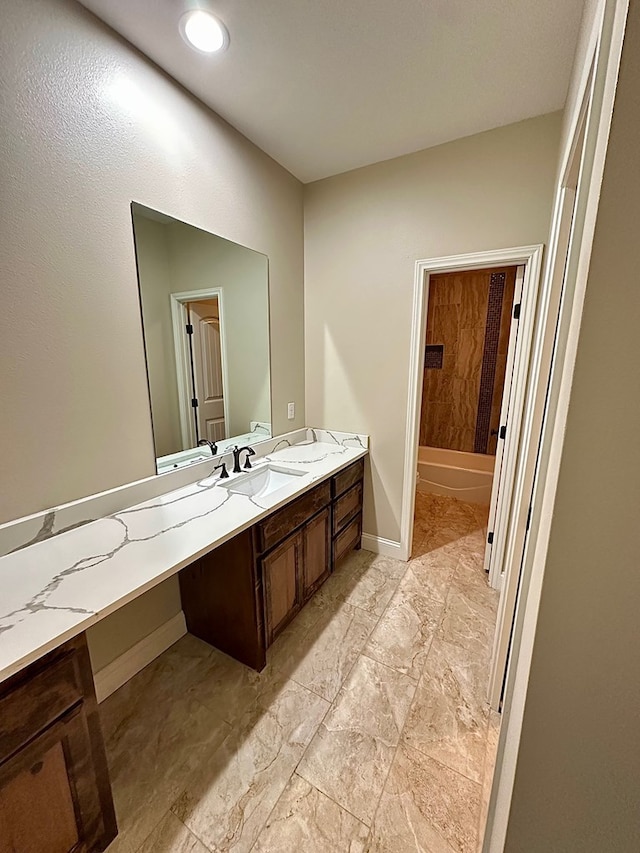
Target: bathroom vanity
pixel 242 595
pixel 247 563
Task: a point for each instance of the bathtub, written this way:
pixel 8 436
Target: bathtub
pixel 466 476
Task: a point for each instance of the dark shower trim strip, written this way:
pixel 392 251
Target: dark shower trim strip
pixel 489 360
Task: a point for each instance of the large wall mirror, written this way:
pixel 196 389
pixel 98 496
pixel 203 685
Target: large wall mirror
pixel 205 318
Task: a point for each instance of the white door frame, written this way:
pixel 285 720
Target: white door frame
pixel 183 362
pixel 528 256
pixel 503 471
pixel 598 91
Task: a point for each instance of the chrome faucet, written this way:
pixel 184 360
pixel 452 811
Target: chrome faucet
pixel 236 458
pixel 213 447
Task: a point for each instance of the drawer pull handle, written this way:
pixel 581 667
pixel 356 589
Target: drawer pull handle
pixel 37 767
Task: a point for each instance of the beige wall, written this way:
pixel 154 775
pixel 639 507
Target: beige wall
pixel 88 125
pixel 578 772
pixel 364 232
pixel 152 254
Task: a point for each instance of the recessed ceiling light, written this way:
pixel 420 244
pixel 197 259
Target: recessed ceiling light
pixel 204 31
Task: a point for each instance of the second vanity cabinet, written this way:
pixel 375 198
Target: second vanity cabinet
pixel 55 795
pixel 240 596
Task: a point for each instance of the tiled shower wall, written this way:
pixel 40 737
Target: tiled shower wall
pixel 468 334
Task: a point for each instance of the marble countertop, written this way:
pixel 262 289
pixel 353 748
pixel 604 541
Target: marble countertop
pixel 55 589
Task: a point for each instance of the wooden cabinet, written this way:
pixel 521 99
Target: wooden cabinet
pixel 282 572
pixel 346 478
pixel 279 524
pixel 241 595
pixel 222 600
pixel 346 507
pixel 55 795
pixel 316 566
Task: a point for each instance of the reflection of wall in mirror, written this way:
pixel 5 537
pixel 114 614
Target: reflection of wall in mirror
pixel 152 252
pixel 174 257
pixel 199 261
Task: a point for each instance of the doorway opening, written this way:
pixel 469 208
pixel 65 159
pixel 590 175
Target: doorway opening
pixel 484 350
pixel 471 330
pixel 480 388
pixel 199 344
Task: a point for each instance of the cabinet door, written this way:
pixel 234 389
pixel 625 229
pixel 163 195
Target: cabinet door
pixel 317 553
pixel 281 572
pixel 50 793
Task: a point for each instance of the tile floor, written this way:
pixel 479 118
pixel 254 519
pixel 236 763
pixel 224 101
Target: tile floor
pixel 368 731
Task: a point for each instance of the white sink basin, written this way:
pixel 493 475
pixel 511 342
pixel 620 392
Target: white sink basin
pixel 263 481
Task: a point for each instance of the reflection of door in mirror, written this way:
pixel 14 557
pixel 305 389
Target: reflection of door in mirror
pixel 206 353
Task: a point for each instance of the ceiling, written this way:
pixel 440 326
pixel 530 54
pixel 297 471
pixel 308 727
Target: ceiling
pixel 325 86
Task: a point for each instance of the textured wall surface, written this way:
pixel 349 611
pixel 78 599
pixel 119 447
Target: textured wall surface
pixel 364 231
pixel 88 125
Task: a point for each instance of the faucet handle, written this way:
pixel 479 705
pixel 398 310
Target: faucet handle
pixel 213 447
pixel 224 474
pixel 250 452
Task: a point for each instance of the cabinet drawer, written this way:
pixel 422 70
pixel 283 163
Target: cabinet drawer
pixel 36 697
pixel 342 481
pixel 348 539
pixel 278 526
pixel 347 506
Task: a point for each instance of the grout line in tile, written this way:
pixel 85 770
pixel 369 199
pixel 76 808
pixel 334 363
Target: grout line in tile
pixel 315 788
pixel 448 766
pixel 390 668
pixel 146 838
pixel 194 834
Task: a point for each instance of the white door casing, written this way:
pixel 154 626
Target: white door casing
pixel 179 316
pixel 503 471
pixel 207 363
pixel 509 588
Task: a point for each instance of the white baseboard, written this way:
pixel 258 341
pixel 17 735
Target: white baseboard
pixel 386 547
pixel 119 671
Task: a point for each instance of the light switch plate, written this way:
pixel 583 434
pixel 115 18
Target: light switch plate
pixel 291 411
